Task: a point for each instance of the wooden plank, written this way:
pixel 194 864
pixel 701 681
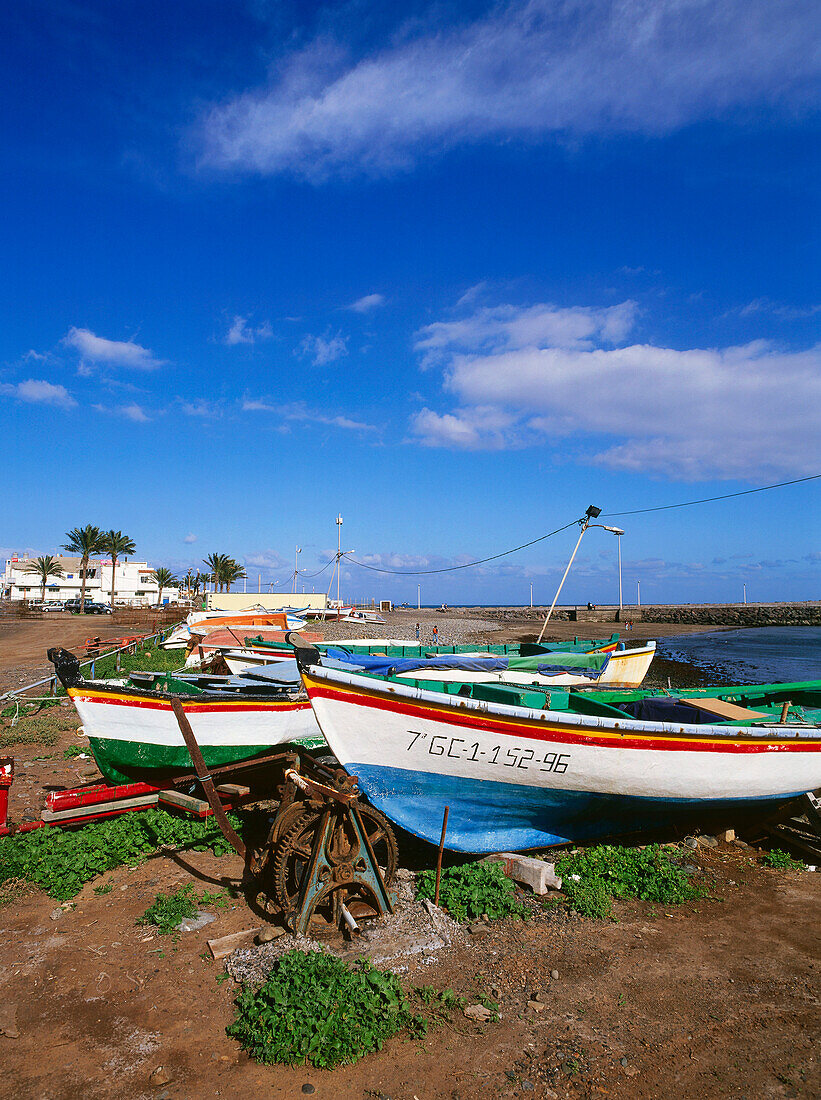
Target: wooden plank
pixel 99 808
pixel 227 945
pixel 235 790
pixel 185 802
pixel 723 709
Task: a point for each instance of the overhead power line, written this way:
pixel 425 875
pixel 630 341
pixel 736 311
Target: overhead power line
pixel 572 523
pixel 466 565
pixel 709 500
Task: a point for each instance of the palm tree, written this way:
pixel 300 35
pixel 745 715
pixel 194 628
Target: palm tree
pixel 44 567
pixel 84 542
pixel 217 564
pixel 117 545
pixel 231 573
pixel 163 578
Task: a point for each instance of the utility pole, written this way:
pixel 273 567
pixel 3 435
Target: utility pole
pixel 296 566
pixel 419 597
pixel 638 593
pixel 531 593
pixel 338 552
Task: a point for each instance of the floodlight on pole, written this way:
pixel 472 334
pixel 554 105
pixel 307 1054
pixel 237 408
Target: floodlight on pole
pixel 296 565
pixel 338 552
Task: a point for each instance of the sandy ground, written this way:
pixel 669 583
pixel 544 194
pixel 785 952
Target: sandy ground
pixel 716 998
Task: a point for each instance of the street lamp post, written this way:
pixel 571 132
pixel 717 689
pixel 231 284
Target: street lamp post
pixel 638 593
pixel 745 593
pixel 296 566
pixel 531 593
pixel 419 597
pixel 338 552
pixel 613 531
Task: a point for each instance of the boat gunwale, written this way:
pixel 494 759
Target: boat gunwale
pixel 87 688
pixel 783 736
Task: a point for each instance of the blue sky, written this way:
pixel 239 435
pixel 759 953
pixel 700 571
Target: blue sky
pixel 453 270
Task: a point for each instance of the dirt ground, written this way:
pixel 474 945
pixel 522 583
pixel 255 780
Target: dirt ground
pixel 715 998
pixel 25 642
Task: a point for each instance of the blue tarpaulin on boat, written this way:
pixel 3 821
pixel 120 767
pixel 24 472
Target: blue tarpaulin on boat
pixel 387 666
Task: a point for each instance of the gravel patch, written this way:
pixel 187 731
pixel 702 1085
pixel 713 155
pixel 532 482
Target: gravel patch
pixel 417 930
pixel 453 629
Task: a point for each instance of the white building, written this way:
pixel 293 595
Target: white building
pixel 134 584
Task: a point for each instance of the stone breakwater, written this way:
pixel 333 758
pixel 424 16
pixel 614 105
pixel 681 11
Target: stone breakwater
pixel 779 614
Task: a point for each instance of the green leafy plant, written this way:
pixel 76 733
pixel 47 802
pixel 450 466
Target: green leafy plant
pixel 782 860
pixel 593 877
pixel 469 891
pixel 72 751
pixel 60 861
pixel 169 909
pixel 104 888
pixel 315 1008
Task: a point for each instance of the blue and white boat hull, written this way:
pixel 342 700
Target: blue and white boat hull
pixel 516 778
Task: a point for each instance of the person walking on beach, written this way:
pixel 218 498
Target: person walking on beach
pixel 417 632
pixel 436 635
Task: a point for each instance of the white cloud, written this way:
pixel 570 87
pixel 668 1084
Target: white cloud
pixel 366 303
pixel 322 351
pixel 259 406
pixel 115 353
pixel 190 538
pixel 199 407
pixel 240 332
pixel 738 412
pixel 778 309
pixel 299 411
pixel 484 428
pixel 528 69
pixel 35 391
pixel 133 412
pixel 505 327
pixel 266 559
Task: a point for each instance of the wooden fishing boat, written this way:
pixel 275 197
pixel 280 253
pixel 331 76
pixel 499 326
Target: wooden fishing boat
pixel 270 641
pixel 133 731
pixel 259 651
pixel 523 768
pixel 201 623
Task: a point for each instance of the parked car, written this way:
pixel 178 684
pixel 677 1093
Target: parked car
pixel 50 605
pixel 89 607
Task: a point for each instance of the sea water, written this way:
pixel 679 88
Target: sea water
pixel 753 655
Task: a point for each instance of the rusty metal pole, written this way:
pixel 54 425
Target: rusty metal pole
pixel 205 779
pixel 439 857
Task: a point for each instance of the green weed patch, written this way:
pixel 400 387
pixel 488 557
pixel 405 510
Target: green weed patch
pixel 169 909
pixel 315 1008
pixel 782 861
pixel 61 861
pixel 469 891
pixel 146 659
pixel 39 723
pixel 593 877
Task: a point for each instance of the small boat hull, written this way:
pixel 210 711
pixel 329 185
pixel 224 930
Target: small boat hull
pixel 517 778
pixel 136 737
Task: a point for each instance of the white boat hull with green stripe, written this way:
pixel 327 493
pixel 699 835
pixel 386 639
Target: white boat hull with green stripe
pixel 136 737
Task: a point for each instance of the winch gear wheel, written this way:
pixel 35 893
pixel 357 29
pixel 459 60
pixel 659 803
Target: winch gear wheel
pixel 293 851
